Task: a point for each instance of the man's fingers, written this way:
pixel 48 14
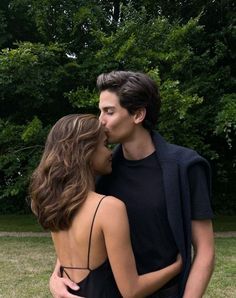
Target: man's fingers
pixel 69 283
pixel 72 296
pixel 73 286
pixel 61 290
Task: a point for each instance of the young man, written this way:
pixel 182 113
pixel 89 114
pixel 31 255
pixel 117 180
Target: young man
pixel 166 188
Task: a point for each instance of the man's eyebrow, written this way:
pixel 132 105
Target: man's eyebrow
pixel 107 107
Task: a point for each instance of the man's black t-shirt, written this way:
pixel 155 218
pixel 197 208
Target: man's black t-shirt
pixel 138 183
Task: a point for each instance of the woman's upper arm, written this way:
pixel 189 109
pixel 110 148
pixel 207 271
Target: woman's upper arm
pixel 115 227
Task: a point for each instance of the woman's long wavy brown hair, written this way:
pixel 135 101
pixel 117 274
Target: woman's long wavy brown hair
pixel 63 178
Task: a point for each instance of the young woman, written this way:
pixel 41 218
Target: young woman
pixel 90 231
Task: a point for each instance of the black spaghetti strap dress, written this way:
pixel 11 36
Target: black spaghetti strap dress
pixel 99 283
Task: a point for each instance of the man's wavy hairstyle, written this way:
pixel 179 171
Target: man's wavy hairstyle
pixel 63 178
pixel 135 90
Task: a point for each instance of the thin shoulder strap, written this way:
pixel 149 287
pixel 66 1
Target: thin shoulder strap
pixel 91 231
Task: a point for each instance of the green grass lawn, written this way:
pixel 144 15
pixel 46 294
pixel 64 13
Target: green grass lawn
pixel 28 223
pixel 19 223
pixel 224 223
pixel 223 282
pixel 26 265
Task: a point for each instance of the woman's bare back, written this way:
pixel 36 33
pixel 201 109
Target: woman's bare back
pixel 72 246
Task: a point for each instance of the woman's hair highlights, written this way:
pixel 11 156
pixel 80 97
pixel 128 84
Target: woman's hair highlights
pixel 63 178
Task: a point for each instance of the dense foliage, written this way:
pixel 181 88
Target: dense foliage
pixel 52 52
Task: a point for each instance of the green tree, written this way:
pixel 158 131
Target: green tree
pixel 52 52
pixel 33 78
pixel 17 23
pixel 21 147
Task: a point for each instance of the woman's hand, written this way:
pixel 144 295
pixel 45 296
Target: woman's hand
pixel 179 262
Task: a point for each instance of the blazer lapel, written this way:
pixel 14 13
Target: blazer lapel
pixel 173 201
pixel 171 183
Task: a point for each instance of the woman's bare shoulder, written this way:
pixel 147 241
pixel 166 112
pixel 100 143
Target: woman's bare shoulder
pixel 112 215
pixel 112 207
pixel 113 202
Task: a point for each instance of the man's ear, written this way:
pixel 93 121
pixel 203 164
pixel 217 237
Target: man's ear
pixel 139 115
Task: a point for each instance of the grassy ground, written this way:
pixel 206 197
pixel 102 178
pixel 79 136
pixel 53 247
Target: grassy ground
pixel 224 223
pixel 28 223
pixel 26 264
pixel 223 282
pixel 19 223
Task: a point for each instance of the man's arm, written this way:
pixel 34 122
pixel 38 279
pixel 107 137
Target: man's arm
pixel 203 261
pixel 58 285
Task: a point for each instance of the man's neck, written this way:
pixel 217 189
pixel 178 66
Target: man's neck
pixel 139 147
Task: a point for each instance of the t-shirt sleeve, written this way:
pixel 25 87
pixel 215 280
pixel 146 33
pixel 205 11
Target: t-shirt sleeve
pixel 200 193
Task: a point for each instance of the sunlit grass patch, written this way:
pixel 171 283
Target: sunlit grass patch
pixel 26 265
pixel 223 282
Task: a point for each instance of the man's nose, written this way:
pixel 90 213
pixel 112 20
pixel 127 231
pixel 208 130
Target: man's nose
pixel 101 119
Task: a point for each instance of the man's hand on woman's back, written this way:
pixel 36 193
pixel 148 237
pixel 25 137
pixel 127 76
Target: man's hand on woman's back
pixel 58 286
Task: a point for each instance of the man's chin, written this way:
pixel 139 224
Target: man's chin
pixel 112 139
